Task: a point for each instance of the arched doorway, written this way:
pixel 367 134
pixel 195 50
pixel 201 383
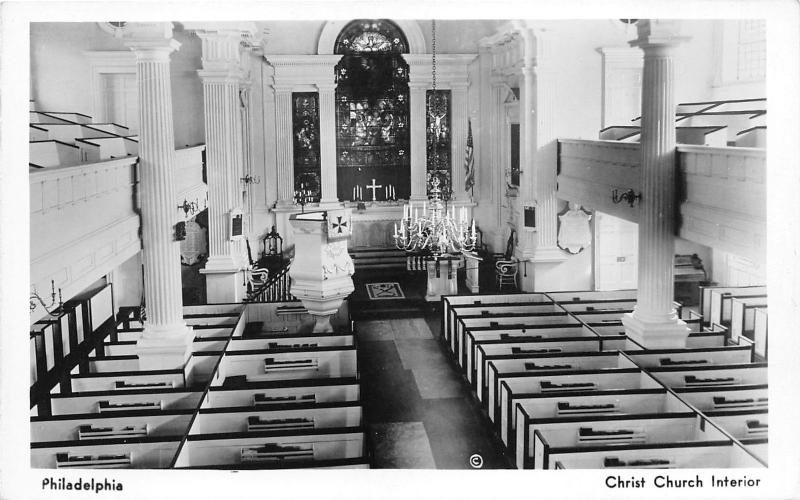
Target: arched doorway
pixel 372 112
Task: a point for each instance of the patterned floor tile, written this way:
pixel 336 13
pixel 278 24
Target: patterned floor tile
pixel 401 445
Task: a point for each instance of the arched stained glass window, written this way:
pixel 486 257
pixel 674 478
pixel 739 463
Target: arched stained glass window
pixel 365 36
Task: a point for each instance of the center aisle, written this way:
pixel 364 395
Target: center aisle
pixel 420 412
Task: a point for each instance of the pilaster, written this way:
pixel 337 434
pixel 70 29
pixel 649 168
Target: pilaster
pixel 283 140
pixel 459 118
pixel 417 97
pixel 654 322
pixel 166 338
pixel 327 146
pixel 221 76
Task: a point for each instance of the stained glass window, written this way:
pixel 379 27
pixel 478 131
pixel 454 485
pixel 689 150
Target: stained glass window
pixel 438 140
pixel 372 114
pixel 364 36
pixel 305 128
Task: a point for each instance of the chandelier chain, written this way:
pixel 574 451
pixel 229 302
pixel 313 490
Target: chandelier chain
pixel 433 56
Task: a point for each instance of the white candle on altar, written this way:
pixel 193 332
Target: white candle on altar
pixel 424 208
pixel 473 228
pixel 395 230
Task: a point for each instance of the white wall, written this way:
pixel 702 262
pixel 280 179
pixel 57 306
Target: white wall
pixel 128 282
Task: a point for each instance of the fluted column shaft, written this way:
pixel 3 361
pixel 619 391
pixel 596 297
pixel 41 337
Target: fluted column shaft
pixel 419 190
pixel 223 163
pixel 161 252
pixel 283 139
pixel 657 206
pixel 545 157
pixel 327 146
pixel 527 132
pixel 459 117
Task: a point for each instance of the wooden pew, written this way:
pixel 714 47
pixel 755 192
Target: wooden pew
pixel 743 316
pixel 760 332
pixel 557 381
pixel 542 440
pixel 521 347
pixel 703 356
pixel 120 425
pixel 89 402
pixel 718 454
pixel 450 304
pixel 505 322
pixel 282 364
pixel 268 450
pixel 714 376
pixel 527 408
pixel 492 370
pixel 607 305
pixel 134 453
pixel 294 341
pixel 279 418
pixel 283 392
pixel 143 379
pixel 715 301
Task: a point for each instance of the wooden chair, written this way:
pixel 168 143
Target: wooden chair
pixel 507 266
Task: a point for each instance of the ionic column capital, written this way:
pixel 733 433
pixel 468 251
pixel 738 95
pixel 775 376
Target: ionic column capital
pixel 658 36
pixel 153 50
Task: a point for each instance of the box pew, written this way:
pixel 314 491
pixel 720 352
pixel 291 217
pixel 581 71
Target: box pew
pixel 451 303
pixel 135 453
pixel 580 404
pixel 280 419
pixel 111 426
pixel 212 331
pixel 507 322
pixel 543 439
pixel 712 377
pixel 118 363
pixel 52 153
pixel 738 398
pixel 113 401
pixel 743 315
pixel 323 447
pixel 688 455
pixel 720 302
pixel 592 296
pixel 474 337
pixel 742 424
pixel 281 364
pixel 760 332
pixel 232 309
pixel 558 381
pixel 692 357
pixel 144 379
pixel 283 392
pixel 295 341
pixel 601 317
pixel 210 321
pixel 706 338
pixel 490 371
pixel 608 305
pixel 490 349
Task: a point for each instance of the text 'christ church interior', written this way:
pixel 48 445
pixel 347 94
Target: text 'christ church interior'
pixel 393 243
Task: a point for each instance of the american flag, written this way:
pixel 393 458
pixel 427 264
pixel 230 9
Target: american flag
pixel 469 161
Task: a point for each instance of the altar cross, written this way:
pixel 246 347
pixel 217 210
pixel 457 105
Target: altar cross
pixel 374 187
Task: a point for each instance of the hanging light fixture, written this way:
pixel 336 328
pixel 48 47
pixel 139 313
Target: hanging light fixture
pixel 51 309
pixel 436 103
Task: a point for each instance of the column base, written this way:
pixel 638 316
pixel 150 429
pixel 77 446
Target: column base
pixel 670 334
pixel 164 348
pixel 224 286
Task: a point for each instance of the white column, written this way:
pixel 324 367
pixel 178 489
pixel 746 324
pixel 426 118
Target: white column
pixel 419 191
pixel 527 138
pixel 496 154
pixel 654 322
pixel 283 140
pixel 327 146
pixel 459 114
pixel 221 75
pixel 166 338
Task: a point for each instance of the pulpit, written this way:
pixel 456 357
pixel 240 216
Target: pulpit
pixel 322 269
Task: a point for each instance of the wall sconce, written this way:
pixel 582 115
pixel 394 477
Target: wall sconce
pixel 189 206
pixel 50 309
pixel 249 179
pixel 630 196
